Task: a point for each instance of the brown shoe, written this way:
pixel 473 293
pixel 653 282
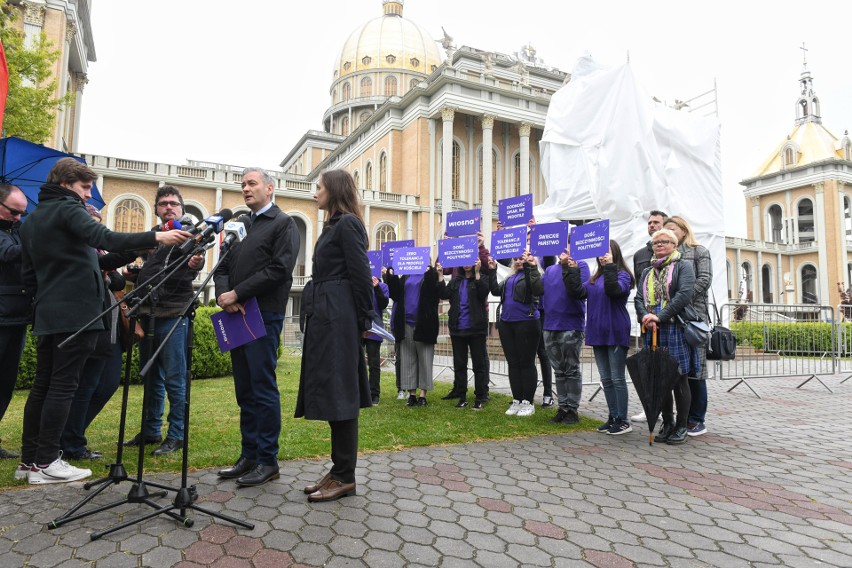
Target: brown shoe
pixel 332 490
pixel 318 485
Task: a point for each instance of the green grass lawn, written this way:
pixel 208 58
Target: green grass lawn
pixel 214 429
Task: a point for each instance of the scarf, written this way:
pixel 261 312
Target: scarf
pixel 659 280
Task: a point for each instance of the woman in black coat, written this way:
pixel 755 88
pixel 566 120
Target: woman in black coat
pixel 338 309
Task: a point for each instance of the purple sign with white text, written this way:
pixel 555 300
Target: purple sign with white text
pixel 463 223
pixel 549 238
pixel 389 247
pixel 509 243
pixel 375 258
pixel 462 251
pixel 515 210
pixel 235 329
pixel 590 240
pixel 411 260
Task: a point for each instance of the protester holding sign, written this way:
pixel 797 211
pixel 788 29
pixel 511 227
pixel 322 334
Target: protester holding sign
pixel 607 328
pixel 373 342
pixel 519 329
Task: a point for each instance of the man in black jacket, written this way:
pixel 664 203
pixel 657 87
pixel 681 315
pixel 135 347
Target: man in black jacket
pixel 162 310
pixel 261 267
pixel 60 264
pixel 642 257
pixel 15 302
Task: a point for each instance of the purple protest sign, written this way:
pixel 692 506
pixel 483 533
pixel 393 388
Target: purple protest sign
pixel 463 223
pixel 235 329
pixel 375 258
pixel 515 210
pixel 462 251
pixel 549 238
pixel 590 240
pixel 509 243
pixel 389 247
pixel 411 260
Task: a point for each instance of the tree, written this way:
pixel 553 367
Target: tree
pixel 31 106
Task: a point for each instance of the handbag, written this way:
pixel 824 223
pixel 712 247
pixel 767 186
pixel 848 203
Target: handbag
pixel 723 343
pixel 695 332
pixel 128 337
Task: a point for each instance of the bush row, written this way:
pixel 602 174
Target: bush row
pixel 794 337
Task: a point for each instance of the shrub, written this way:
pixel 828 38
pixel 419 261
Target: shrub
pixel 794 338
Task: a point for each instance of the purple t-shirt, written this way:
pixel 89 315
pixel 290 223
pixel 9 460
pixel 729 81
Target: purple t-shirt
pixel 561 311
pixel 412 298
pixel 608 322
pixel 464 308
pixel 512 310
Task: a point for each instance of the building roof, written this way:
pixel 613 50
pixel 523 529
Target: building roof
pixel 810 142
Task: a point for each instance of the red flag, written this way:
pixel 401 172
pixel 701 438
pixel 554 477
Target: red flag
pixel 4 83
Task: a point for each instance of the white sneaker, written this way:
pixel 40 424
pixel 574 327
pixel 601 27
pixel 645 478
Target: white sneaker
pixel 526 408
pixel 639 418
pixel 57 472
pixel 514 408
pixel 21 471
pixel 401 395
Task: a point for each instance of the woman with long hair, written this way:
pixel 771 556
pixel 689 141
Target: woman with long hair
pixel 699 256
pixel 338 306
pixel 608 329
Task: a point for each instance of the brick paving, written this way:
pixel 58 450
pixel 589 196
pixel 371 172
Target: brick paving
pixel 769 485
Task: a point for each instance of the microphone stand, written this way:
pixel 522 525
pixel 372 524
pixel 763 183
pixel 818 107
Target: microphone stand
pixel 117 473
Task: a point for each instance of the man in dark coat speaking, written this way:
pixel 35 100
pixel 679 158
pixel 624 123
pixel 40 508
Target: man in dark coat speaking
pixel 261 266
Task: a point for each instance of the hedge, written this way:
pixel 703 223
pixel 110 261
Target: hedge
pixel 798 338
pixel 207 360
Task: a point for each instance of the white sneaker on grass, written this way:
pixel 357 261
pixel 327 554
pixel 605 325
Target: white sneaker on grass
pixel 514 408
pixel 21 471
pixel 526 408
pixel 57 472
pixel 401 395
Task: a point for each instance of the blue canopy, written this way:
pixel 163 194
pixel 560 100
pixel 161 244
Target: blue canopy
pixel 26 165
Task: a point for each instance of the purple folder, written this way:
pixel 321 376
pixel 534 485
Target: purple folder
pixel 233 330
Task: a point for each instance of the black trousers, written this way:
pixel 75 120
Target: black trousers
pixel 57 374
pixel 520 341
pixel 479 360
pixel 682 398
pixel 544 363
pixel 374 365
pixel 12 339
pixel 344 449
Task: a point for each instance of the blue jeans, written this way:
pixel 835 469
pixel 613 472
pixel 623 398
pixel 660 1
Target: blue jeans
pixel 256 387
pixel 698 404
pixel 611 361
pixel 167 376
pixel 563 350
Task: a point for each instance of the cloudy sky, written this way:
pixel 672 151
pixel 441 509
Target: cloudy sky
pixel 240 82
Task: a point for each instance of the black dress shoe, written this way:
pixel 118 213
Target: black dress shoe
pixel 333 490
pixel 678 436
pixel 452 395
pixel 242 467
pixel 259 475
pixel 86 454
pixel 666 431
pixel 412 400
pixel 7 455
pixel 421 401
pixel 167 447
pixel 137 439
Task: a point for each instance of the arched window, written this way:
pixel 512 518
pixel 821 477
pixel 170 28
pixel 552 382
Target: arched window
pixel 775 224
pixel 847 217
pixel 386 233
pixel 366 87
pixel 809 285
pixel 478 200
pixel 195 213
pixel 364 116
pixel 368 175
pixel 413 83
pixel 129 217
pixel 728 276
pixel 456 170
pixel 518 174
pixel 390 86
pixel 383 172
pixel 746 292
pixel 334 96
pixel 356 177
pixel 806 221
pixel 766 283
pixel 346 91
pixel 344 126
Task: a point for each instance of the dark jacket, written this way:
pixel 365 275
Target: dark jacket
pixel 175 291
pixel 261 266
pixel 333 383
pixel 426 329
pixel 477 297
pixel 524 287
pixel 60 262
pixel 642 260
pixel 683 281
pixel 699 256
pixel 15 301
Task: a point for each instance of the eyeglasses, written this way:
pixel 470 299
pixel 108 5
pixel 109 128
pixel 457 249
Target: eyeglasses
pixel 14 212
pixel 168 204
pixel 662 243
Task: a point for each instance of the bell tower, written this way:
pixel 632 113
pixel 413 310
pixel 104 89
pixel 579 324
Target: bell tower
pixel 807 107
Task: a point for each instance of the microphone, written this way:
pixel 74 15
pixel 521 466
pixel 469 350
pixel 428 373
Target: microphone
pixel 235 231
pixel 170 225
pixel 188 225
pixel 215 224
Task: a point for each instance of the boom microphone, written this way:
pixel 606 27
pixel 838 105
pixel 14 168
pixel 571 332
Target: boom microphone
pixel 215 224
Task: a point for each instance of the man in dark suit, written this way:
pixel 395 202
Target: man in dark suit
pixel 261 267
pixel 642 257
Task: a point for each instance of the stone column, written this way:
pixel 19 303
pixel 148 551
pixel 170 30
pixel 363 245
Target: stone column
pixel 822 242
pixel 367 223
pixel 487 176
pixel 447 115
pixel 755 220
pixel 524 131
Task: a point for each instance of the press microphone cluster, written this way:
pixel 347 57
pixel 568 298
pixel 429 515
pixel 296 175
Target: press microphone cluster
pixel 235 232
pixel 214 224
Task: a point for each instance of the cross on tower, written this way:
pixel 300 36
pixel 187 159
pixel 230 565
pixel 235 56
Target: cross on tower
pixel 804 54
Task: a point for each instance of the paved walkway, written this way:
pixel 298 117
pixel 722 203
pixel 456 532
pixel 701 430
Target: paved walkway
pixel 769 485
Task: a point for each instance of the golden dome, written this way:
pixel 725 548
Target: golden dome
pixel 388 42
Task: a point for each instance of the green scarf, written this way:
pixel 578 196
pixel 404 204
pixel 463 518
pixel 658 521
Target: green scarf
pixel 659 281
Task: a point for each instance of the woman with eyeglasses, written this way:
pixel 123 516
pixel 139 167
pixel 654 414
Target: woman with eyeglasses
pixel 664 292
pixel 699 256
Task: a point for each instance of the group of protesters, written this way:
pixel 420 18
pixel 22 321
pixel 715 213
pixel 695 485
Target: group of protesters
pixel 552 307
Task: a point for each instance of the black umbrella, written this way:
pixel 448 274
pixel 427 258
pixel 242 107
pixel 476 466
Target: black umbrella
pixel 654 373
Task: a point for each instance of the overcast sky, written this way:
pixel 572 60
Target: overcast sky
pixel 240 82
